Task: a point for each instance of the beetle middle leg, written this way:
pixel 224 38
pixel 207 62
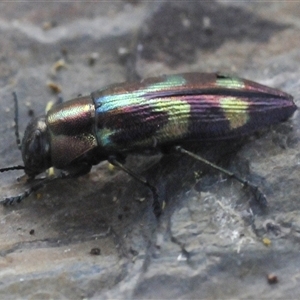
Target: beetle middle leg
pixel 157 209
pixel 258 194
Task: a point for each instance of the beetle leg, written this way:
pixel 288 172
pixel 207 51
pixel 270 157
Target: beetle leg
pixel 36 186
pixel 17 199
pixel 258 194
pixel 156 204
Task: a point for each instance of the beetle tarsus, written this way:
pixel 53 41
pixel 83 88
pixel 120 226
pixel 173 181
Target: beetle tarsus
pixel 259 196
pixel 17 199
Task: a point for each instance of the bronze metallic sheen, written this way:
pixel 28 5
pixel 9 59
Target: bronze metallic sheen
pixel 71 126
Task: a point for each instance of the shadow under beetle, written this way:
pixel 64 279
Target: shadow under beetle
pixel 153 115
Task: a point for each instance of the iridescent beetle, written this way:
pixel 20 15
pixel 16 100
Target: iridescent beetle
pixel 147 116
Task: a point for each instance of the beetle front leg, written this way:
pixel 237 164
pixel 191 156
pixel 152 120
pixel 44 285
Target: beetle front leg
pixel 258 194
pixel 157 209
pixel 17 199
pixel 33 188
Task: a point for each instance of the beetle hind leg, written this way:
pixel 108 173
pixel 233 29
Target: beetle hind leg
pixel 254 189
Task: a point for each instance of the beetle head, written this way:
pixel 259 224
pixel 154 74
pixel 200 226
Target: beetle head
pixel 36 147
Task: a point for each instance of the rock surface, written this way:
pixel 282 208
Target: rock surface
pixel 212 240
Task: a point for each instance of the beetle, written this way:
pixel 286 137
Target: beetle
pixel 145 117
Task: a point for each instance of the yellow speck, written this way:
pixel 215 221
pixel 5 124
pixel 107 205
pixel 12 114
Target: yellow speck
pixel 61 63
pixel 55 88
pixel 267 242
pixel 111 167
pixel 49 105
pixel 50 172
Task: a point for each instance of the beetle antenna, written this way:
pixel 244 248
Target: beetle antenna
pixel 17 120
pixel 12 168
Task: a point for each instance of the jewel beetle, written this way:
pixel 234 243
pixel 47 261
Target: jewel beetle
pixel 146 117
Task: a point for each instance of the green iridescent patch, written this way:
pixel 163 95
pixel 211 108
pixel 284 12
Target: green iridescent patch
pixel 230 83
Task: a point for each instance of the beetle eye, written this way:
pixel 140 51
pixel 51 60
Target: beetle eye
pixel 35 148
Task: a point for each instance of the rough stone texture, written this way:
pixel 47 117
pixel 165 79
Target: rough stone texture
pixel 211 241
